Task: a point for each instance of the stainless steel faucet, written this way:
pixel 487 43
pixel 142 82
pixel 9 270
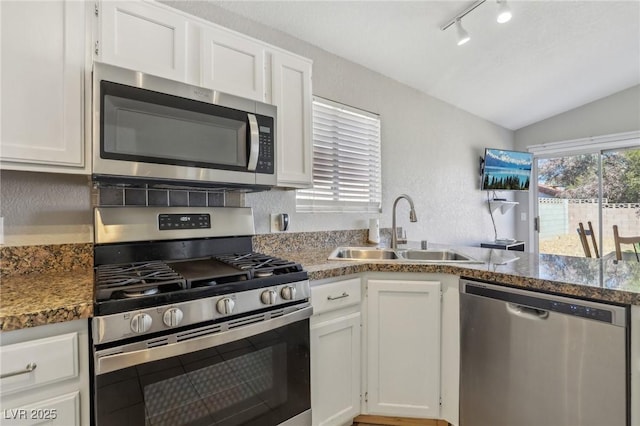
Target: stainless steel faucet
pixel 412 217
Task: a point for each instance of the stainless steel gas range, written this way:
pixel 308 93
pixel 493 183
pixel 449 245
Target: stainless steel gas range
pixel 191 327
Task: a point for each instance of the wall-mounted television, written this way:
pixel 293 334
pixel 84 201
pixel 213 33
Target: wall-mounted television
pixel 505 170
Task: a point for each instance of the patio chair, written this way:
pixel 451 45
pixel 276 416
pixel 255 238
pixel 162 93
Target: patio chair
pixel 624 240
pixel 583 233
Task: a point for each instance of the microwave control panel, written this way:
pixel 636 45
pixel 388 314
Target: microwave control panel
pixel 266 159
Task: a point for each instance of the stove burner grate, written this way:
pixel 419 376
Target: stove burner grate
pixel 135 280
pixel 260 264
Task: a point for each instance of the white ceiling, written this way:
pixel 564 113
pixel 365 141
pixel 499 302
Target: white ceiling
pixel 551 57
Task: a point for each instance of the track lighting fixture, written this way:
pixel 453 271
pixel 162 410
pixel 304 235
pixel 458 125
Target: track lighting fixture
pixel 504 12
pixel 463 35
pixel 504 15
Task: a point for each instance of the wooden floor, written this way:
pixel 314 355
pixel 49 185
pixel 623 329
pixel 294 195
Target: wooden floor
pixel 367 420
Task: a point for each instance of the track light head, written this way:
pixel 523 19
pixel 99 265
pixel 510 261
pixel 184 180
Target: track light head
pixel 463 35
pixel 504 12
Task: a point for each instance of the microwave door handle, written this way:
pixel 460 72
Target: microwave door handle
pixel 254 143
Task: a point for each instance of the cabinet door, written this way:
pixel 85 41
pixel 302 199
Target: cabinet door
pixel 403 348
pixel 42 84
pixel 63 410
pixel 232 64
pixel 145 37
pixel 292 95
pixel 335 370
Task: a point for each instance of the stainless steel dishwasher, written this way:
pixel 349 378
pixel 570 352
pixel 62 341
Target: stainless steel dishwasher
pixel 536 359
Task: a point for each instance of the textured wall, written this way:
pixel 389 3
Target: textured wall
pixel 45 208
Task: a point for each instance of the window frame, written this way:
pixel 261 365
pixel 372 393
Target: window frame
pixel 346 163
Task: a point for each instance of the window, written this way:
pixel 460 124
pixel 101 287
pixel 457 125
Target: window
pixel 593 180
pixel 346 161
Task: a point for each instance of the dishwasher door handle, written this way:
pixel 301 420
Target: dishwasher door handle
pixel 527 312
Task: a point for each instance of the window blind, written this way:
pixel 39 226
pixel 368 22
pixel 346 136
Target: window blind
pixel 346 161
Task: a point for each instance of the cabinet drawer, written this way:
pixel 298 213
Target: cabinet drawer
pixel 55 359
pixel 329 297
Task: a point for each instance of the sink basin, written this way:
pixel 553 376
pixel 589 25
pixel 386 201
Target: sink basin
pixel 363 253
pixel 444 255
pixel 399 256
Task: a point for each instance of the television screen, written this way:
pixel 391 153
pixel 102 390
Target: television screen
pixel 506 170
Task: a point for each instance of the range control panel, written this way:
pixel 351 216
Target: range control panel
pixel 184 221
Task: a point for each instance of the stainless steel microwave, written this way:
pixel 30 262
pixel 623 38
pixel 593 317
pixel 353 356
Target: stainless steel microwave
pixel 153 130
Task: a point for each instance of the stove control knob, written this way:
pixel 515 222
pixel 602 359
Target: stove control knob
pixel 172 317
pixel 141 323
pixel 269 297
pixel 225 305
pixel 288 292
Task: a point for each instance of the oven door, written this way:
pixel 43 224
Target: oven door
pixel 255 374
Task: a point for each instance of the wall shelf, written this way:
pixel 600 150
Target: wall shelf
pixel 504 206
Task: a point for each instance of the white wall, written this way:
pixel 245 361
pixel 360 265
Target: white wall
pixel 617 113
pixel 430 149
pixel 43 208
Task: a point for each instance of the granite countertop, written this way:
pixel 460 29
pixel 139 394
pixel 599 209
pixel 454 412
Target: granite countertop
pixel 34 299
pixel 596 279
pixel 29 300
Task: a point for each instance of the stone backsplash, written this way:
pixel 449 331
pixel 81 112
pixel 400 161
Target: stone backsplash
pixel 18 260
pixel 298 241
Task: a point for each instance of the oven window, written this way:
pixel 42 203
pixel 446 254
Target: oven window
pixel 262 380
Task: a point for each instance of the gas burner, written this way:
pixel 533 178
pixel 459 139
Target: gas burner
pixel 263 274
pixel 139 293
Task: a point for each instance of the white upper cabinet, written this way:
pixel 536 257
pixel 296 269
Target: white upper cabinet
pixel 291 93
pixel 43 57
pixel 156 39
pixel 403 348
pixel 232 64
pixel 143 36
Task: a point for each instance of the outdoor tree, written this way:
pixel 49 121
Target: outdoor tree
pixel 577 176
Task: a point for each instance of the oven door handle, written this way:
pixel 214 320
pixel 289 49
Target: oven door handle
pixel 254 143
pixel 110 361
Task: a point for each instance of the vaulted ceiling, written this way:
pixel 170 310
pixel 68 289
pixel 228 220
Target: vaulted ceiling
pixel 551 57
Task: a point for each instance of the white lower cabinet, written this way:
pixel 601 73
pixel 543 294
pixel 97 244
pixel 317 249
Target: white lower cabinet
pixel 335 352
pixel 45 375
pixel 62 410
pixel 403 348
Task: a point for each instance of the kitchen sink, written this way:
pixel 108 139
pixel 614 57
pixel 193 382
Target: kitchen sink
pixel 444 255
pixel 403 255
pixel 363 253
